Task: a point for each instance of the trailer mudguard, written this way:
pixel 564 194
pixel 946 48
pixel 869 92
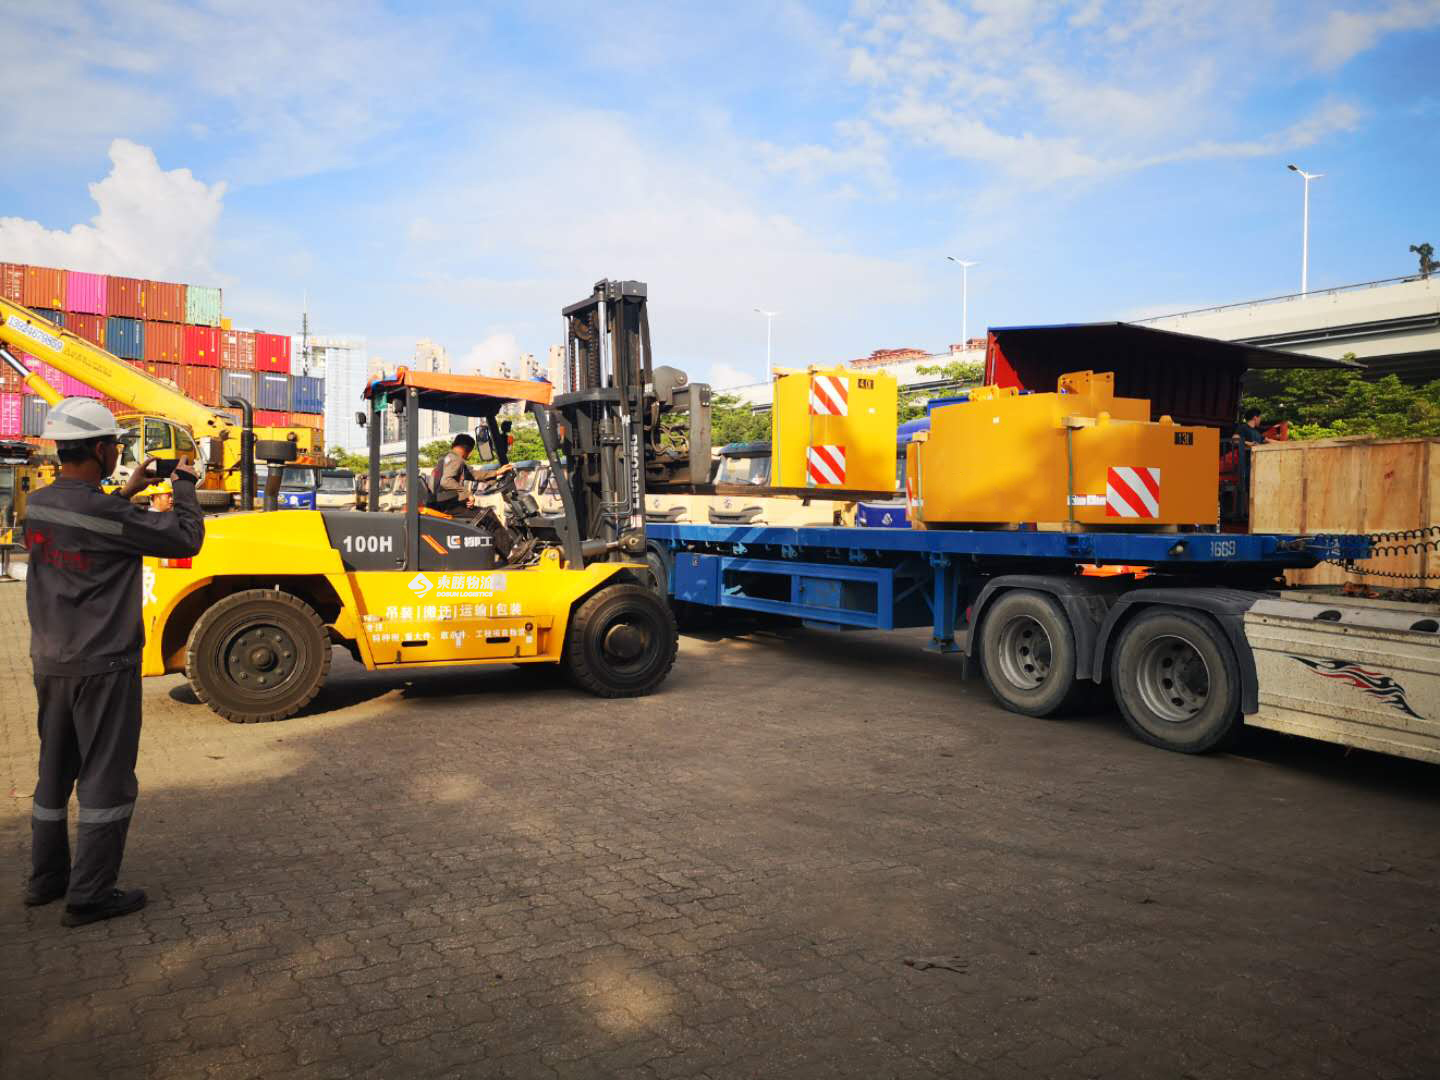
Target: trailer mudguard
pixel 1086 602
pixel 1226 606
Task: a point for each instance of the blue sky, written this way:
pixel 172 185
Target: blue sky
pixel 461 172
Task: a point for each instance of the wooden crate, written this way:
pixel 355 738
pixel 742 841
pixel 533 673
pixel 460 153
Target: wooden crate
pixel 1353 485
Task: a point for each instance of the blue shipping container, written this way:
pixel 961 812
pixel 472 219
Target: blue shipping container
pixel 239 384
pixel 307 394
pixel 56 317
pixel 125 337
pixel 272 391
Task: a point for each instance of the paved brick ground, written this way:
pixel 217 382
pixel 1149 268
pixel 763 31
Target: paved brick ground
pixel 821 856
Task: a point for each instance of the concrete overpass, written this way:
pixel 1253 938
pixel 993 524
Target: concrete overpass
pixel 1391 326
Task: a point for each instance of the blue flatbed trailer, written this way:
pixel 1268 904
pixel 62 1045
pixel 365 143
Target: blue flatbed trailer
pixel 1174 645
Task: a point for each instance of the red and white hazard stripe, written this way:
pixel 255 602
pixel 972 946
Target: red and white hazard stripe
pixel 826 465
pixel 829 395
pixel 1132 492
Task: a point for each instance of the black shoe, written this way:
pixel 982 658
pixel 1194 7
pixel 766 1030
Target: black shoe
pixel 36 898
pixel 116 904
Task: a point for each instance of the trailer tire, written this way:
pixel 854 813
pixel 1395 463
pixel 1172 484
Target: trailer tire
pixel 213 501
pixel 248 639
pixel 621 642
pixel 1027 652
pixel 1177 681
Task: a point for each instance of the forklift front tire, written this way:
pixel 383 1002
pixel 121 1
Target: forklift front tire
pixel 621 642
pixel 258 655
pixel 213 501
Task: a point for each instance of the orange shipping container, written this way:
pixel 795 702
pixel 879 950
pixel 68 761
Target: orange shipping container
pixel 164 302
pixel 202 346
pixel 237 350
pixel 12 282
pixel 164 343
pixel 201 384
pixel 44 288
pixel 169 372
pixel 125 296
pixel 89 327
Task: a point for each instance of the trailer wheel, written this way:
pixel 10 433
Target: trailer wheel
pixel 1177 681
pixel 621 642
pixel 1027 650
pixel 258 655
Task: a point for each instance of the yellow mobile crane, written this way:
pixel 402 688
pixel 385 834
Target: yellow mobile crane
pixel 165 423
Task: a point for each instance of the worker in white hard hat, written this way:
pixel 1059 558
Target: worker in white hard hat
pixel 83 593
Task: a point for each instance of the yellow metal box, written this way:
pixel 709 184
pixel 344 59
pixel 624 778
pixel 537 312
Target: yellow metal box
pixel 1078 456
pixel 834 427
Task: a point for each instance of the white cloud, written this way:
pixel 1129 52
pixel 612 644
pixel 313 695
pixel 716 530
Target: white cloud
pixel 723 376
pixel 150 223
pixel 686 219
pixel 1343 35
pixel 295 89
pixel 485 357
pixel 1036 94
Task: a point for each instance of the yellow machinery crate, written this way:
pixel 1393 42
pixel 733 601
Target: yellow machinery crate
pixel 1081 456
pixel 834 427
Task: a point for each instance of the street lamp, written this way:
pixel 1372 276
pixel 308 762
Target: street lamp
pixel 769 321
pixel 1305 229
pixel 964 298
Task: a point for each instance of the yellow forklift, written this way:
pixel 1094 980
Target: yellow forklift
pixel 251 619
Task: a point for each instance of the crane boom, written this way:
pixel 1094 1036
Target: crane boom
pixel 23 329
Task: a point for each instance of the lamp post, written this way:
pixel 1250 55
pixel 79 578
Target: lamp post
pixel 769 321
pixel 964 298
pixel 1305 228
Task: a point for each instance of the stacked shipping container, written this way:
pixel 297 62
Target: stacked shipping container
pixel 172 332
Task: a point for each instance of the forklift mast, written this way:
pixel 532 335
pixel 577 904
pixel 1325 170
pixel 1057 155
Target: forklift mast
pixel 613 433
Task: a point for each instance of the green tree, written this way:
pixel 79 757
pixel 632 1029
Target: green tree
pixel 958 374
pixel 1428 265
pixel 344 459
pixel 1326 403
pixel 732 421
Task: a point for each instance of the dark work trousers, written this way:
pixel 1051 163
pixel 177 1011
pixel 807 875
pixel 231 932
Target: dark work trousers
pixel 90 734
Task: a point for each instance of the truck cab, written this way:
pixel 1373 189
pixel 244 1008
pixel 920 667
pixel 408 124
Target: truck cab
pixel 336 490
pixel 299 487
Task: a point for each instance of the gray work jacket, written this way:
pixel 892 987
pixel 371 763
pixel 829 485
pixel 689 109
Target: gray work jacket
pixel 83 584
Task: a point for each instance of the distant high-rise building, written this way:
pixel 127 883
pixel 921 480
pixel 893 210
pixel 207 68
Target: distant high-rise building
pixel 391 432
pixel 555 369
pixel 432 357
pixel 343 362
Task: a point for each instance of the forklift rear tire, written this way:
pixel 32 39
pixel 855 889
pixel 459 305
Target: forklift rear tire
pixel 258 655
pixel 621 642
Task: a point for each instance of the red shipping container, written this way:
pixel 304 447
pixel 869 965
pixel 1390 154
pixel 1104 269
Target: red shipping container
pixel 237 350
pixel 12 282
pixel 86 292
pixel 89 327
pixel 164 343
pixel 201 384
pixel 164 302
pixel 202 346
pixel 125 296
pixel 272 352
pixel 44 288
pixel 12 382
pixel 271 418
pixel 12 415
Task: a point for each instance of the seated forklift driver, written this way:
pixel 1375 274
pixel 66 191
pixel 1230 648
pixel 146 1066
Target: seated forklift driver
pixel 450 479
